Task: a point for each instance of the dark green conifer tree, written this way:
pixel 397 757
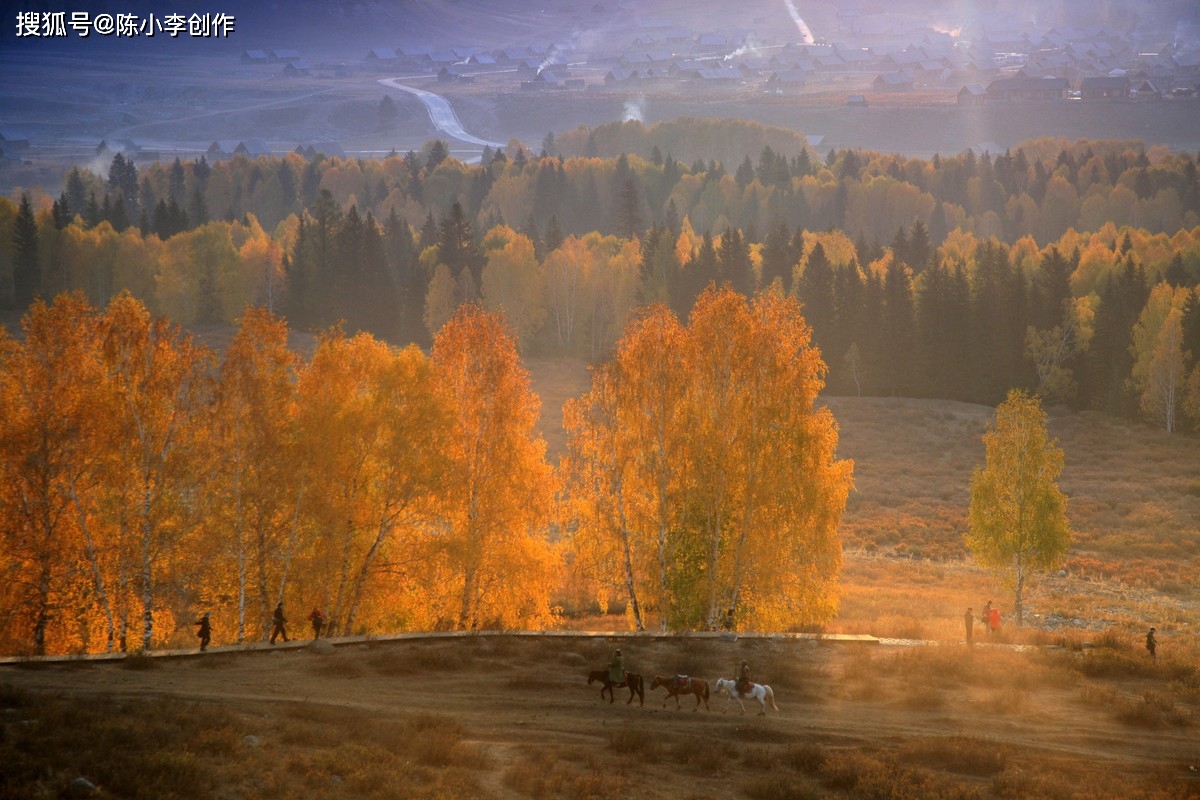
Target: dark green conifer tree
pixel 27 269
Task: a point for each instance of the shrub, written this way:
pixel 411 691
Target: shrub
pixel 138 660
pixel 1152 710
pixel 778 787
pixel 708 752
pixel 636 742
pixel 962 754
pixel 807 758
pixel 759 758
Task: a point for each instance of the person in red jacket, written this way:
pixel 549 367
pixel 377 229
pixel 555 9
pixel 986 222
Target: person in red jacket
pixel 318 621
pixel 991 618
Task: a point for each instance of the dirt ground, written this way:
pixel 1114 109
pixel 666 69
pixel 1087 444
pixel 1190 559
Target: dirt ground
pixel 513 695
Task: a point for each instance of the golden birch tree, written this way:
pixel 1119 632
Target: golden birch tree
pixel 494 505
pixel 58 417
pixel 768 489
pixel 1159 373
pixel 701 458
pixel 1018 515
pixel 513 283
pixel 40 410
pixel 372 429
pixel 653 417
pixel 253 483
pixel 163 385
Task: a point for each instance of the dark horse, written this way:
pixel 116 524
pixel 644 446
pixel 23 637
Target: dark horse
pixel 632 680
pixel 678 684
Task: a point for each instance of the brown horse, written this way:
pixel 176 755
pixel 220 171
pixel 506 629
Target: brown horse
pixel 678 684
pixel 632 680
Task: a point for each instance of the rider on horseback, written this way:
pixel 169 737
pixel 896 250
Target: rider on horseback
pixel 743 681
pixel 616 669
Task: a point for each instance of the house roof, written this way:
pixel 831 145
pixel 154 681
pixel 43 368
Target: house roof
pixel 118 146
pixel 310 149
pixel 1104 82
pixel 1027 85
pixel 253 147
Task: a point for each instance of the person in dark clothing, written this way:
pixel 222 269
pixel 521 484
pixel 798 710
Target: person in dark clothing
pixel 204 631
pixel 969 622
pixel 743 680
pixel 1152 644
pixel 318 621
pixel 278 621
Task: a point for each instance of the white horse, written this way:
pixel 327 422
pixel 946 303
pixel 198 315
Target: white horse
pixel 758 691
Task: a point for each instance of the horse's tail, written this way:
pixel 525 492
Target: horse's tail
pixel 771 697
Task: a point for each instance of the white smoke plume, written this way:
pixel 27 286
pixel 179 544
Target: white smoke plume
pixel 635 109
pixel 741 51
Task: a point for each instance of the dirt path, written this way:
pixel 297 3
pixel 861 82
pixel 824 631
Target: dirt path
pixel 514 697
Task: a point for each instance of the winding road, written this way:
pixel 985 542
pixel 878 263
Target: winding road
pixel 440 112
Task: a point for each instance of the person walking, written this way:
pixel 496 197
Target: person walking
pixel 204 631
pixel 278 623
pixel 318 621
pixel 969 622
pixel 1152 644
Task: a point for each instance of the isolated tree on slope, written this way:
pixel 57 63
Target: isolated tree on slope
pixel 1018 515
